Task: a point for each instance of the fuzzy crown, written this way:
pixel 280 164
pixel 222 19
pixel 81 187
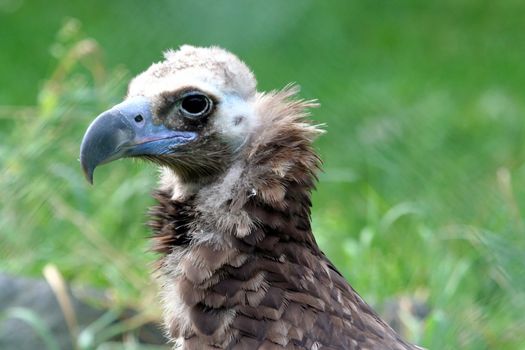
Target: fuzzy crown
pixel 221 70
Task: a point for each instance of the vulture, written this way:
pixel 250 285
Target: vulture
pixel 238 267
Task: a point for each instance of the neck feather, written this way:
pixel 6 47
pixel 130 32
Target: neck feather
pixel 224 245
pixel 275 174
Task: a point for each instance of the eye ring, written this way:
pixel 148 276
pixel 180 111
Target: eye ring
pixel 195 105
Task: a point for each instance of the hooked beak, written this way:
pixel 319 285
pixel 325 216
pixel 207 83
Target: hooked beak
pixel 127 130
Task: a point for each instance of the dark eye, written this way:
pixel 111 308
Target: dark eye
pixel 195 105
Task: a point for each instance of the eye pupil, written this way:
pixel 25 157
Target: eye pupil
pixel 138 118
pixel 195 104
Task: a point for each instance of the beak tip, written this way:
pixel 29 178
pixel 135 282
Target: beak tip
pixel 88 173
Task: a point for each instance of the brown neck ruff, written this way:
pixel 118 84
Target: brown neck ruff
pixel 239 266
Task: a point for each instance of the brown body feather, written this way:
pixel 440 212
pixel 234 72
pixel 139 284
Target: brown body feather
pixel 244 271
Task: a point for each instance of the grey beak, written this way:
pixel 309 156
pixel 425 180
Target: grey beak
pixel 127 130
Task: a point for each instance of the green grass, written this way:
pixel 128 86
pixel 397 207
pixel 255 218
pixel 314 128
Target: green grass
pixel 424 177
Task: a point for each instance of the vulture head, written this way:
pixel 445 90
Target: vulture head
pixel 192 113
pixel 239 267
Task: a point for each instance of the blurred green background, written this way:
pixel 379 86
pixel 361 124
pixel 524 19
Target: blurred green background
pixel 423 101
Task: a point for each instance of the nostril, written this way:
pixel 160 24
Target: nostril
pixel 139 118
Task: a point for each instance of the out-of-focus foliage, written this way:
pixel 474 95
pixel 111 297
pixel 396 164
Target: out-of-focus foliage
pixel 422 193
